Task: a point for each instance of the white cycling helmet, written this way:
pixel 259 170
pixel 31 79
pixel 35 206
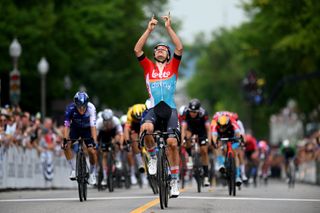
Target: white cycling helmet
pixel 181 109
pixel 286 143
pixel 123 119
pixel 107 114
pixel 148 103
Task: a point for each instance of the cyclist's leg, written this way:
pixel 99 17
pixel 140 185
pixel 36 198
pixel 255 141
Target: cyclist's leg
pixel 149 143
pixel 173 153
pixel 91 148
pixel 204 159
pixel 148 126
pixel 236 148
pixel 73 135
pixel 131 166
pixel 219 153
pixel 242 164
pixel 136 151
pixel 103 152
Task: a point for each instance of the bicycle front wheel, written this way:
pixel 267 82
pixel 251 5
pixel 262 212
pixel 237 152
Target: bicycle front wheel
pixel 81 176
pixel 162 179
pixel 231 176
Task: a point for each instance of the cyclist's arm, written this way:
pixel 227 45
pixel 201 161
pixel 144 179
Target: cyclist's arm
pixel 175 39
pixel 119 130
pixel 94 133
pixel 67 122
pixel 92 111
pixel 184 126
pixel 144 37
pixel 208 129
pixel 214 134
pixel 126 132
pixel 127 125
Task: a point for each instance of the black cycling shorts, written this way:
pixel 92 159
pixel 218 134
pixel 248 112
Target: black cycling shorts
pixel 173 123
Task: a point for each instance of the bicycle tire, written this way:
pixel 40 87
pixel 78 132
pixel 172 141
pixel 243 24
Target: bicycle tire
pixel 230 175
pixel 167 181
pixel 100 172
pixel 291 172
pixel 161 179
pixel 182 170
pixel 110 172
pixel 80 176
pixel 197 171
pixel 85 176
pixel 233 175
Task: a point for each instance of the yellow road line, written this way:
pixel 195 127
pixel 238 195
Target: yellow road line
pixel 146 206
pixel 150 204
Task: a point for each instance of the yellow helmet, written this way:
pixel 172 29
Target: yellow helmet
pixel 223 122
pixel 137 111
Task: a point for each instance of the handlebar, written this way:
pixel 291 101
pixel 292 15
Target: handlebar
pixel 232 140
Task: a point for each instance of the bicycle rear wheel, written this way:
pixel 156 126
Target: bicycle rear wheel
pixel 291 172
pixel 110 165
pixel 182 169
pixel 100 171
pixel 197 171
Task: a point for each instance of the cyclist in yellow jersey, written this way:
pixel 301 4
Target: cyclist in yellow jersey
pixel 131 135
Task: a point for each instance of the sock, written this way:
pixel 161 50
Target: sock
pixel 139 159
pixel 105 173
pixel 152 152
pixel 220 160
pixel 205 171
pixel 243 171
pixel 92 169
pixel 238 172
pixel 132 170
pixel 174 172
pixel 71 164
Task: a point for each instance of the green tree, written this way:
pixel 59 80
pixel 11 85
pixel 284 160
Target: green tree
pixel 280 42
pixel 91 41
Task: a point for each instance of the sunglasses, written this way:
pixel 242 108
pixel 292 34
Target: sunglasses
pixel 82 108
pixel 161 49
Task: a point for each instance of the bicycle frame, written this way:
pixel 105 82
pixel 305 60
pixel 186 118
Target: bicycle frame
pixel 230 164
pixel 163 166
pixel 82 170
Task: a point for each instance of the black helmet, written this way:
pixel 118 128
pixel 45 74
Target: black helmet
pixel 81 99
pixel 194 105
pixel 165 45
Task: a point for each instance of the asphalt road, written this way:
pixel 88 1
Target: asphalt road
pixel 273 198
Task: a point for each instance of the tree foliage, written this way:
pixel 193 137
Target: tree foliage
pixel 280 42
pixel 91 41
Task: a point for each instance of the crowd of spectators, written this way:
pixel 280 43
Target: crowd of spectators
pixel 22 129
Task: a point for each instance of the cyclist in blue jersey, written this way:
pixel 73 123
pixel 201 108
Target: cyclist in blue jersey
pixel 80 121
pixel 161 78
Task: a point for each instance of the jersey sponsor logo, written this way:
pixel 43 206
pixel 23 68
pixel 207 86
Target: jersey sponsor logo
pixel 164 74
pixel 161 84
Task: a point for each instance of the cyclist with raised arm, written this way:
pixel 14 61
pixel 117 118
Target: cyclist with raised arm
pixel 110 132
pixel 131 136
pixel 80 121
pixel 161 78
pixel 226 127
pixel 195 121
